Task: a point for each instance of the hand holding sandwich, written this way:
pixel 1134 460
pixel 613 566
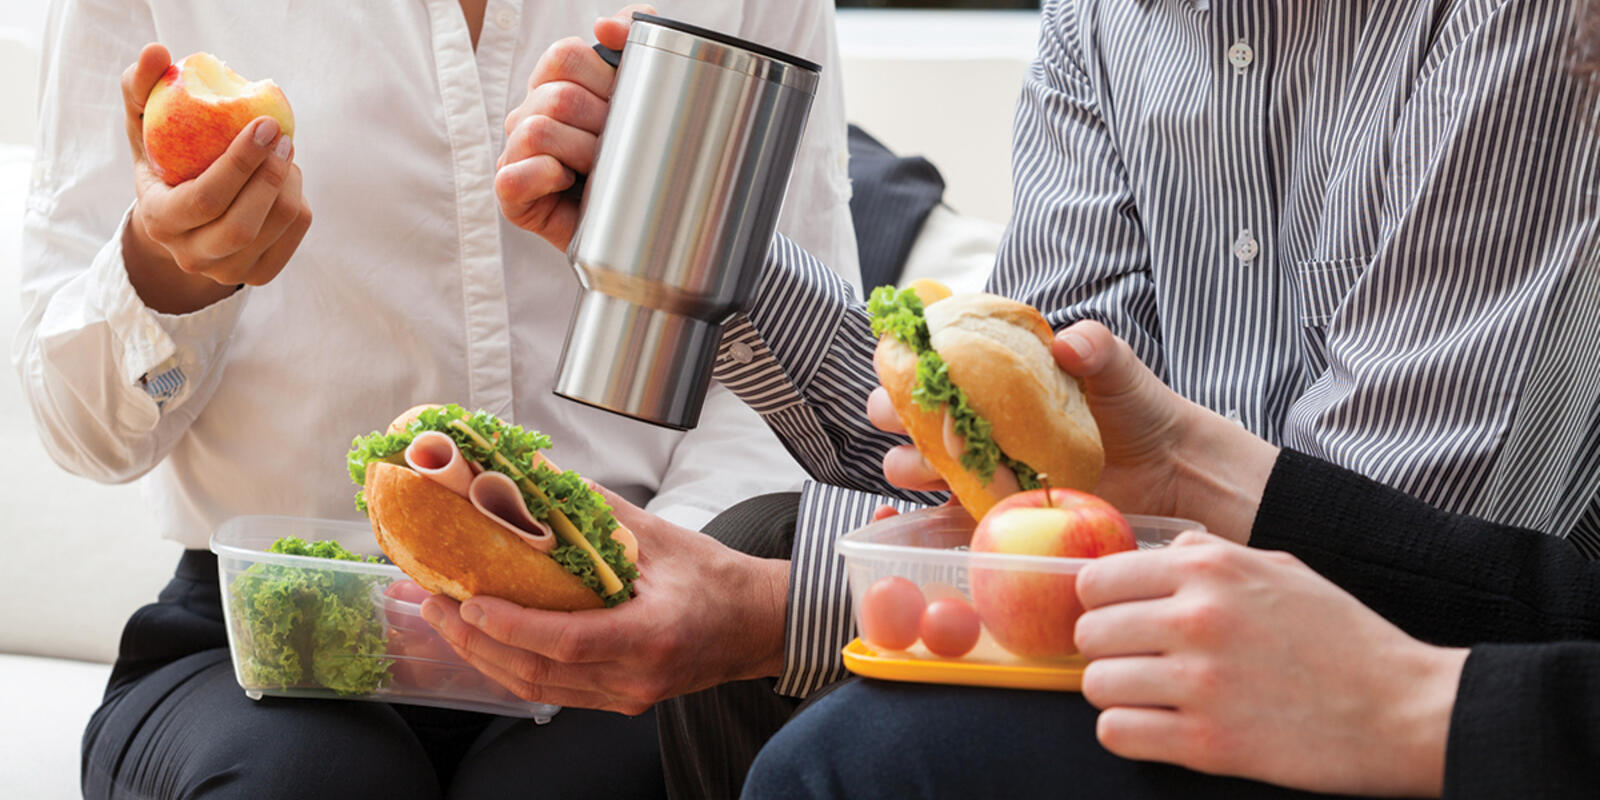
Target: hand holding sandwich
pixel 1164 455
pixel 703 614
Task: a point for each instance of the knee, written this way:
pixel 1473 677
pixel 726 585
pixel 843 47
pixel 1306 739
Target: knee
pixel 824 751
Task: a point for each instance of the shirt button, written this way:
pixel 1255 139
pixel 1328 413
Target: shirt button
pixel 741 352
pixel 1240 55
pixel 506 19
pixel 1245 247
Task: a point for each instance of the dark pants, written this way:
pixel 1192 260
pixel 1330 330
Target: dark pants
pixel 709 738
pixel 174 723
pixel 881 739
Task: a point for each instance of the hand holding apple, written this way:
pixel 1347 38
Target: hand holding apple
pixel 241 216
pixel 1237 661
pixel 1031 613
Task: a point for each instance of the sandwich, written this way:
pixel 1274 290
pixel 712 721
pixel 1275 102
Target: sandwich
pixel 986 361
pixel 466 504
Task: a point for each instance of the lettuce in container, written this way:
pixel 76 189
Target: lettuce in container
pixel 308 628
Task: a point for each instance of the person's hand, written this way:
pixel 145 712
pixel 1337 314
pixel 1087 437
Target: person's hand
pixel 189 245
pixel 702 615
pixel 1243 662
pixel 1164 454
pixel 552 136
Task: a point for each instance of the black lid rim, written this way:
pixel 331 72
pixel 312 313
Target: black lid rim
pixel 731 41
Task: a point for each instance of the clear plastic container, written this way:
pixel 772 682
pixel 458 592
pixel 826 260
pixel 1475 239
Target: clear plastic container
pixel 1016 592
pixel 300 626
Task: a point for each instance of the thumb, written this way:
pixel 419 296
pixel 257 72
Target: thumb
pixel 1089 350
pixel 137 81
pixel 612 31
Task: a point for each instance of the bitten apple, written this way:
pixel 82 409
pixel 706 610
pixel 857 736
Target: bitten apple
pixel 1033 613
pixel 196 110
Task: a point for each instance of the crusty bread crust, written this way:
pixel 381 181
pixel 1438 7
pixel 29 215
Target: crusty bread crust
pixel 439 539
pixel 998 351
pixel 998 354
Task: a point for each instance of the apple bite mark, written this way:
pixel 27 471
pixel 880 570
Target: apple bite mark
pixel 198 108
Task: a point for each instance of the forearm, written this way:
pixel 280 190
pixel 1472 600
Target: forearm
pixel 160 283
pixel 1441 577
pixel 112 383
pixel 1526 723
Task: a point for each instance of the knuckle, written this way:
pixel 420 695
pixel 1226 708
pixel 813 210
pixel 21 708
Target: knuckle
pixel 209 205
pixel 1203 621
pixel 1095 683
pixel 531 672
pixel 1210 746
pixel 569 647
pixel 235 235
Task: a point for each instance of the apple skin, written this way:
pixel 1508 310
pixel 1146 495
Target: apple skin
pixel 184 133
pixel 1032 614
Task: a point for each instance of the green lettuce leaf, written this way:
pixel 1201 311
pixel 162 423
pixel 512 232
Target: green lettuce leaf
pixel 300 626
pixel 899 312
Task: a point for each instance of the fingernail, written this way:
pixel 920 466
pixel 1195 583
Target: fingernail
pixel 285 144
pixel 431 613
pixel 472 614
pixel 266 131
pixel 1078 344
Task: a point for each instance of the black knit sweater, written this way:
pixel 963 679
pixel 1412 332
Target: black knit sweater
pixel 1527 717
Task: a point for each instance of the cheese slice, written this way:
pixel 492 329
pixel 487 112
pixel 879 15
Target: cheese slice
pixel 563 527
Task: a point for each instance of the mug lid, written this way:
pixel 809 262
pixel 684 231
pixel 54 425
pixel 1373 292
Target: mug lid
pixel 731 41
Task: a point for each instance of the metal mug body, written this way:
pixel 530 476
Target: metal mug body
pixel 677 214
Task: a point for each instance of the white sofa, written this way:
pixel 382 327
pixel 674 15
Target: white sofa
pixel 79 556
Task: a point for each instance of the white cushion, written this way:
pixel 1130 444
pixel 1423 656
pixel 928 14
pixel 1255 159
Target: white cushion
pixel 48 703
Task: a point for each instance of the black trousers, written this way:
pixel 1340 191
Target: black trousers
pixel 174 723
pixel 710 738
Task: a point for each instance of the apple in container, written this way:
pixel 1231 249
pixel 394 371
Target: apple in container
pixel 1033 613
pixel 196 110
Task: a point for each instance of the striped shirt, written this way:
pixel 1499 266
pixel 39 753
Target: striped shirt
pixel 1364 228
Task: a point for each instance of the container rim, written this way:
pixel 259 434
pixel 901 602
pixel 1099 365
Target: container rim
pixel 853 546
pixel 305 562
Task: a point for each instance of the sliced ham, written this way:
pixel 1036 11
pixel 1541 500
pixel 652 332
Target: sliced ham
pixel 497 496
pixel 437 457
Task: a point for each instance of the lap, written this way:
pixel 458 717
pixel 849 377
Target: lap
pixel 884 739
pixel 187 729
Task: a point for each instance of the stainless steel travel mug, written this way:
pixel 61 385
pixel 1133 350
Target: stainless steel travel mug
pixel 677 214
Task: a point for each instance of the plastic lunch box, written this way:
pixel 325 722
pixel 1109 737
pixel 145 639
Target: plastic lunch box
pixel 307 627
pixel 929 548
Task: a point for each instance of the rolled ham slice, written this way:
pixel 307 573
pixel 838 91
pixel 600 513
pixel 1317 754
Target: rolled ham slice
pixel 497 496
pixel 436 456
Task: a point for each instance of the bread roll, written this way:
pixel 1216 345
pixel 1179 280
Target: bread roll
pixel 998 354
pixel 439 539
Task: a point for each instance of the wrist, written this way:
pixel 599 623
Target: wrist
pixel 1222 471
pixel 766 600
pixel 162 285
pixel 1421 701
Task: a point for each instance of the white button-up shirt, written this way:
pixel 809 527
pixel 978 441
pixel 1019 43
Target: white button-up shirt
pixel 409 287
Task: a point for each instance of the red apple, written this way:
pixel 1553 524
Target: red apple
pixel 1032 613
pixel 196 110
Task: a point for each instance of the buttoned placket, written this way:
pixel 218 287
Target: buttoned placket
pixel 472 89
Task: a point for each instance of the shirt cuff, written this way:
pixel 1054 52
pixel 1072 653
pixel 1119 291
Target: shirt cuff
pixel 792 320
pixel 819 622
pixel 158 353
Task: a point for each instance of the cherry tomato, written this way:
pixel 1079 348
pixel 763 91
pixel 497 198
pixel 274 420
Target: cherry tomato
pixel 950 627
pixel 891 610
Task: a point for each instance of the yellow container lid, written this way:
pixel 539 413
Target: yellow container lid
pixel 1061 676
